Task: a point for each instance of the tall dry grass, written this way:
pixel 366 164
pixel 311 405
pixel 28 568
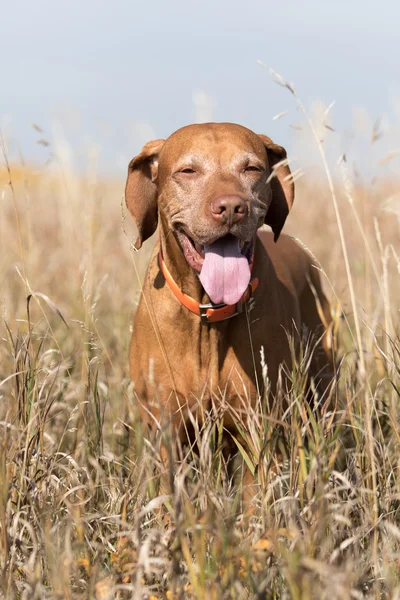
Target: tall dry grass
pixel 83 516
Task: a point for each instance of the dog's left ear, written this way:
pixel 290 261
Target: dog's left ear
pixel 141 190
pixel 282 187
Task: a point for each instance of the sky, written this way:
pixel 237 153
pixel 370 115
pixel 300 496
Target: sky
pixel 103 77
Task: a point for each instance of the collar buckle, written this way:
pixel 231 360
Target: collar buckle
pixel 205 307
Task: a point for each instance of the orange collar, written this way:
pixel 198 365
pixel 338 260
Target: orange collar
pixel 209 313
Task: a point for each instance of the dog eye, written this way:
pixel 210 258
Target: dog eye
pixel 187 171
pixel 252 169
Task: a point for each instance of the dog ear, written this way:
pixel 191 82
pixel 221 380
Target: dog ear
pixel 141 190
pixel 282 186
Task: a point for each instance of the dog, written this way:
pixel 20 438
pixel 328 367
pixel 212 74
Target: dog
pixel 218 289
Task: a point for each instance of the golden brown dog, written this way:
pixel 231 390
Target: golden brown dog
pixel 210 188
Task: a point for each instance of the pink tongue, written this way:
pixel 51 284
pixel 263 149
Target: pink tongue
pixel 225 273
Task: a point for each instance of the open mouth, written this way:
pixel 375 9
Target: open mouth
pixel 223 266
pixel 195 253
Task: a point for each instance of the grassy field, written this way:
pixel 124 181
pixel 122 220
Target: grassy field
pixel 81 516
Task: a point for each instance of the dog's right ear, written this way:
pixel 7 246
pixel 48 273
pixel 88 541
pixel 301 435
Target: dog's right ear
pixel 141 190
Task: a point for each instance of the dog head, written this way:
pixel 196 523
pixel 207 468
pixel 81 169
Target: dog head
pixel 213 185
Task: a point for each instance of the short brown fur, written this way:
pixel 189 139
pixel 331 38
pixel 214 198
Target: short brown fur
pixel 177 362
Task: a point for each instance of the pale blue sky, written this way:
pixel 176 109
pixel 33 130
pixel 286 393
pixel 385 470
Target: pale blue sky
pixel 114 73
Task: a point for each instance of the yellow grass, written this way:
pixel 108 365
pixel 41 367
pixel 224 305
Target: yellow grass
pixel 83 516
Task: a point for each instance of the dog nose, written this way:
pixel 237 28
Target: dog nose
pixel 228 209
